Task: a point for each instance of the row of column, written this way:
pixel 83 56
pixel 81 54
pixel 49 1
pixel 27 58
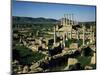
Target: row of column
pixel 67 34
pixel 91 34
pixel 68 19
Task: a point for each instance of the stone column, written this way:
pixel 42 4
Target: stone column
pixel 63 41
pixel 62 21
pixel 37 33
pixel 54 35
pixel 20 40
pixel 91 35
pixel 83 35
pixel 71 34
pixel 77 35
pixel 69 19
pixel 66 35
pixel 72 19
pixel 66 19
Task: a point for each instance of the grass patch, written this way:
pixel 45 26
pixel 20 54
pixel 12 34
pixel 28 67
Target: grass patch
pixel 84 60
pixel 26 56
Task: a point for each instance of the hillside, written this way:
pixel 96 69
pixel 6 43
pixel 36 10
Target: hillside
pixel 30 20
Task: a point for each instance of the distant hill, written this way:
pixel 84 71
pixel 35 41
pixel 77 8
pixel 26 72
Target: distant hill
pixel 30 20
pixel 88 23
pixel 42 21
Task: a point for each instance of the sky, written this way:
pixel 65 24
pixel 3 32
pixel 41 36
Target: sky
pixel 82 13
